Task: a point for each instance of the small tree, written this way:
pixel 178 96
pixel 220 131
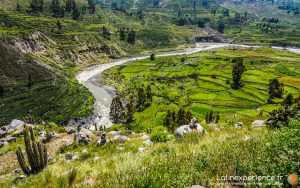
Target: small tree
pixel 1 92
pixel 36 5
pixel 217 118
pixel 281 116
pixel 122 34
pixel 18 8
pixel 131 37
pixel 221 27
pixel 76 13
pixel 105 33
pixel 117 111
pixel 36 154
pixel 289 100
pixel 92 6
pixel 152 57
pixel 149 94
pixel 70 5
pixel 29 82
pixel 237 71
pixel 276 88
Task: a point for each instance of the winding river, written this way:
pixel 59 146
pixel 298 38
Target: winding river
pixel 104 94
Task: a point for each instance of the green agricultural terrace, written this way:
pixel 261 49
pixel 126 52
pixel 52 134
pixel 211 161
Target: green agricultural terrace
pixel 202 82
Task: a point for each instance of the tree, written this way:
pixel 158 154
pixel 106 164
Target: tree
pixel 289 100
pixel 2 92
pixel 275 88
pixel 58 24
pixel 76 13
pixel 131 37
pixel 217 118
pixel 117 111
pixel 36 5
pixel 29 82
pixel 92 6
pixel 281 116
pixel 211 116
pixel 122 34
pixel 140 99
pixel 36 154
pixel 56 10
pixel 18 8
pixel 152 57
pixel 168 121
pixel 237 71
pixel 105 33
pixel 70 5
pixel 130 110
pixel 149 94
pixel 221 27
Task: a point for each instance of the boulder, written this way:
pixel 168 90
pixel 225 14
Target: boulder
pixel 144 137
pixel 120 148
pixel 70 130
pixel 69 156
pixel 20 129
pixel 239 124
pixel 15 124
pixel 114 133
pixel 141 149
pixel 102 141
pixel 122 139
pixel 86 132
pixel 194 126
pixel 259 123
pixel 8 139
pixel 2 133
pixel 148 142
pixel 247 138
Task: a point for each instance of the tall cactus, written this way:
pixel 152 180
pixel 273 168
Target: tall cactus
pixel 36 154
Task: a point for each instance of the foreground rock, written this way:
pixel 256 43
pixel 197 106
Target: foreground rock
pixel 193 126
pixel 239 124
pixel 259 123
pixel 82 136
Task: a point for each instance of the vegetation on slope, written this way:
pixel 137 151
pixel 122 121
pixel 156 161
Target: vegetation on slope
pixel 201 82
pixel 193 159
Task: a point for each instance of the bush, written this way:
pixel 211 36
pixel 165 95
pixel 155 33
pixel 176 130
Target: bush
pixel 159 137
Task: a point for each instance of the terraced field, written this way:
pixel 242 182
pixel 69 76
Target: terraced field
pixel 201 82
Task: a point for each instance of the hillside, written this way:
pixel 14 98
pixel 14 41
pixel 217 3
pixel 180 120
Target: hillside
pixel 149 93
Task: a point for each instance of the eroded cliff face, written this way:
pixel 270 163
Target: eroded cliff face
pixel 56 52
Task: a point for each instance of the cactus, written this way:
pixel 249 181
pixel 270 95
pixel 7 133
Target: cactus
pixel 36 154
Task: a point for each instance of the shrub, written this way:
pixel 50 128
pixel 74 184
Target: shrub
pixel 159 137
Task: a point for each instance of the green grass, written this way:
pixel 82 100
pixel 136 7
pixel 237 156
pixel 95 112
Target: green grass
pixel 193 159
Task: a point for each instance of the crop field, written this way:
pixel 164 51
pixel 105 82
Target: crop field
pixel 202 81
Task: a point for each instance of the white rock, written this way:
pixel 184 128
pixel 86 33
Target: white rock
pixel 141 149
pixel 259 123
pixel 247 138
pixel 239 124
pixel 86 132
pixel 15 123
pixel 120 148
pixel 148 143
pixel 144 137
pixel 114 133
pixel 187 128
